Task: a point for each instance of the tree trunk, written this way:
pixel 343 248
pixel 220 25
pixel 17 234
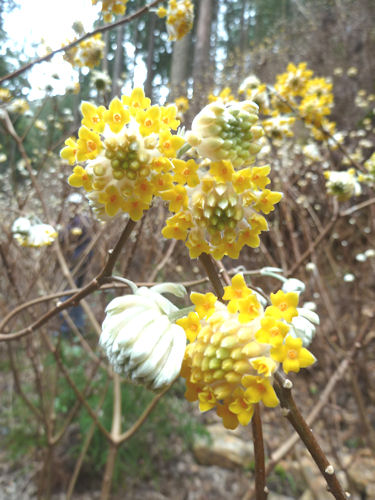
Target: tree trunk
pixel 118 63
pixel 201 74
pixel 150 55
pixel 180 67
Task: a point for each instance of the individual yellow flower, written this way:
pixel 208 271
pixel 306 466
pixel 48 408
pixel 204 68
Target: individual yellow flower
pixel 249 237
pixel 144 190
pixel 196 243
pixel 204 303
pixel 93 117
pixel 135 208
pixel 248 308
pixel 229 247
pixel 70 151
pixel 264 365
pixel 174 231
pixel 206 399
pixel 242 180
pixel 112 200
pixel 284 305
pixel 149 120
pixel 292 355
pixel 266 200
pixel 80 178
pixel 177 198
pixel 259 389
pixel 185 172
pixel 162 182
pixel 237 291
pixel 136 101
pixel 116 116
pixel 168 116
pixel 223 171
pixel 191 325
pixel 161 12
pixel 242 407
pixel 89 144
pixel 272 331
pixel 169 144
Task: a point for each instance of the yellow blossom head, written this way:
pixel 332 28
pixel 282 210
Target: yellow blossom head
pixel 125 153
pixel 229 363
pixel 222 208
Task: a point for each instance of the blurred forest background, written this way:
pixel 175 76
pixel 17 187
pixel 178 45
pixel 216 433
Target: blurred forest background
pixel 57 390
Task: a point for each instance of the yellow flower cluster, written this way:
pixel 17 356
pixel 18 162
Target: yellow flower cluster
pixel 225 96
pixel 278 127
pixel 294 80
pixel 111 8
pixel 126 151
pixel 180 17
pixel 235 349
pixel 220 212
pixel 88 53
pixel 18 105
pixel 218 202
pixel 312 97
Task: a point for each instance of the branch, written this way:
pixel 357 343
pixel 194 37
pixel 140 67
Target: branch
pixel 88 289
pixel 323 399
pixel 283 389
pixel 67 47
pixel 208 264
pixel 260 470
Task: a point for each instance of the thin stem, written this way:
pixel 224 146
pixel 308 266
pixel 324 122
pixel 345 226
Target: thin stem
pixel 114 443
pixel 129 433
pixel 83 292
pixel 208 264
pixel 283 390
pixel 260 469
pixel 86 444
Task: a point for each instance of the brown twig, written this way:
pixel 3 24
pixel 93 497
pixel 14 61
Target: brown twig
pixel 315 243
pixel 260 472
pixel 337 376
pixel 209 266
pixel 283 389
pixel 88 289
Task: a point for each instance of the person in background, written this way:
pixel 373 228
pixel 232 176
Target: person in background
pixel 74 239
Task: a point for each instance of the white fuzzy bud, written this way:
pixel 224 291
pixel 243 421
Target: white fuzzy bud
pixel 139 339
pixel 293 285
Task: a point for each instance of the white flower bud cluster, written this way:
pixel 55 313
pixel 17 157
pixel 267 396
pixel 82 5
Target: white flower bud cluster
pixel 28 233
pixel 343 184
pixel 227 132
pixel 140 340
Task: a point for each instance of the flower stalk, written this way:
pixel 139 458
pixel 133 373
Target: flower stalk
pixel 283 388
